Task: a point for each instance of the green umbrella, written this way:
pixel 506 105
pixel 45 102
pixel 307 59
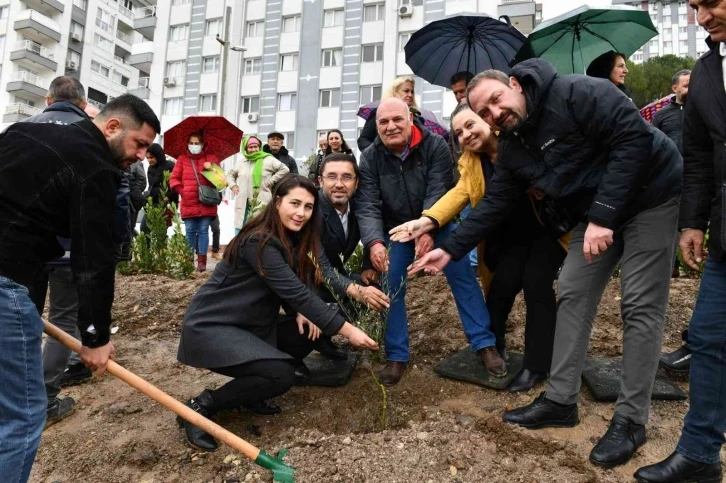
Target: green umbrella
pixel 573 40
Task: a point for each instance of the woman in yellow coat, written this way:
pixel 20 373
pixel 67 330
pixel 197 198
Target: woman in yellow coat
pixel 522 255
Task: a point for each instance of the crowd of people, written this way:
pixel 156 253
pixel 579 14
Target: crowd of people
pixel 541 177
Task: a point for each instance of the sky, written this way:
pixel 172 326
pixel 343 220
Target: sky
pixel 553 8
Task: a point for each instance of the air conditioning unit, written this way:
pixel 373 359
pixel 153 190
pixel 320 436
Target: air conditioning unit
pixel 70 65
pixel 253 117
pixel 76 37
pixel 405 10
pixel 169 81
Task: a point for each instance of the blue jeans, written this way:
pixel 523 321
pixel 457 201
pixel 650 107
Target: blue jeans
pixel 467 295
pixel 705 423
pixel 197 233
pixel 473 257
pixel 23 400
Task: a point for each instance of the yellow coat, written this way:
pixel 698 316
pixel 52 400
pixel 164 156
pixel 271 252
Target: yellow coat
pixel 470 190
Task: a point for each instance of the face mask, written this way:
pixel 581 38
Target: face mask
pixel 195 148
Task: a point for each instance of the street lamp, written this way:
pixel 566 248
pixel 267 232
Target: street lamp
pixel 225 54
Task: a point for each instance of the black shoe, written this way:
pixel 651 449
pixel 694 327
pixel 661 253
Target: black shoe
pixel 326 347
pixel 678 469
pixel 263 408
pixel 75 374
pixel 526 380
pixel 197 438
pixel 543 413
pixel 58 410
pixel 619 443
pixel 678 361
pixel 302 374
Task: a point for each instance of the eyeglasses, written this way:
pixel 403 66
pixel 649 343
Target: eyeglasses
pixel 346 178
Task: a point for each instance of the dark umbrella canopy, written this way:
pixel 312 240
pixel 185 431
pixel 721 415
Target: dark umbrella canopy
pixel 464 42
pixel 221 137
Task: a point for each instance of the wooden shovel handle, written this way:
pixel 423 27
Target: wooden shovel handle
pixel 161 397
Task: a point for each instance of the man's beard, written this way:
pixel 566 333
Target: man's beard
pixel 118 155
pixel 682 99
pixel 513 116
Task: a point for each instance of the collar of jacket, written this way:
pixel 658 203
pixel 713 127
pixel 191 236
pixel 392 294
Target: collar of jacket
pixel 66 106
pixel 326 205
pixel 281 152
pixel 90 128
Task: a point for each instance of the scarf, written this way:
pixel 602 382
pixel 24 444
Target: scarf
pixel 258 158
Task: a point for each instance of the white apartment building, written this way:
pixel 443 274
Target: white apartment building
pixel 679 35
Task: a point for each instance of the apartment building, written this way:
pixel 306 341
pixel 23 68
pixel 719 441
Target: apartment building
pixel 92 40
pixel 679 34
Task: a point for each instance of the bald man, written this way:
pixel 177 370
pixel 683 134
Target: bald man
pixel 405 171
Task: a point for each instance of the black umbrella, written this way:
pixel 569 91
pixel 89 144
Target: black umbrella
pixel 469 42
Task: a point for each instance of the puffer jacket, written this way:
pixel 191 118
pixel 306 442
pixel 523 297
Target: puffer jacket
pixel 670 121
pixel 60 112
pixel 185 184
pixel 391 192
pixel 584 145
pixel 283 155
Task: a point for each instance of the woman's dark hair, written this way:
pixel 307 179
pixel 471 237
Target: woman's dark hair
pixel 343 146
pixel 157 151
pixel 197 134
pixel 603 65
pixel 337 158
pixel 267 224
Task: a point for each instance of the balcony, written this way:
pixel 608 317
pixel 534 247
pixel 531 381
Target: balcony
pixel 27 83
pixel 37 27
pixel 145 21
pixel 46 7
pixel 19 112
pixel 31 55
pixel 140 87
pixel 82 4
pixel 123 37
pixel 96 104
pixel 142 55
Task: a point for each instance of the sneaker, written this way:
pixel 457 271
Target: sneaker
pixel 59 409
pixel 75 374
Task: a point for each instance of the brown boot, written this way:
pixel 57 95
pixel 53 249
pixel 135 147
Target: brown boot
pixel 493 361
pixel 201 263
pixel 392 373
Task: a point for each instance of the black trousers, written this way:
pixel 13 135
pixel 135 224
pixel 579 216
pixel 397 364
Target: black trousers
pixel 214 225
pixel 258 381
pixel 527 262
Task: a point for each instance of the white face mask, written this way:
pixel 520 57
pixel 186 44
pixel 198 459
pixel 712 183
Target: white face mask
pixel 195 148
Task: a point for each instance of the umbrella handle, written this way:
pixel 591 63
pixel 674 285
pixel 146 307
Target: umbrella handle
pixel 161 397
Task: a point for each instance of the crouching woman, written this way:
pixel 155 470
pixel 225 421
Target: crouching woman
pixel 233 324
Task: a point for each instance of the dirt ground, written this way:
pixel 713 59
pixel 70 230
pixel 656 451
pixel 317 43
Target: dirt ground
pixel 439 430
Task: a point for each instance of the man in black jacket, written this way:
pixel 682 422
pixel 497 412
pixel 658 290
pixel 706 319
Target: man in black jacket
pixel 581 146
pixel 58 180
pixel 703 207
pixel 405 171
pixel 274 146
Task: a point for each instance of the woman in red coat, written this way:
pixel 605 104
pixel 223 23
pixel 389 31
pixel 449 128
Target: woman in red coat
pixel 196 216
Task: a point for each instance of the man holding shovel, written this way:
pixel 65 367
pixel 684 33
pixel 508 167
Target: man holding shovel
pixel 58 181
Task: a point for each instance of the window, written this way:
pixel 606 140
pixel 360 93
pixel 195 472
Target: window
pixel 4 12
pixel 682 18
pixel 403 39
pixel 104 20
pixel 416 3
pixel 683 30
pixel 372 53
pixel 253 66
pixel 173 105
pixel 76 28
pixel 103 42
pixel 178 32
pixel 290 141
pixel 371 13
pixel 684 47
pixel 208 103
pixel 255 29
pixel 72 57
pixel 370 94
pixel 210 64
pixel 332 57
pixel 2 42
pixel 99 69
pixel 213 27
pixel 287 102
pixel 120 79
pixel 288 62
pixel 330 98
pixel 291 24
pixel 180 2
pixel 250 104
pixel 332 18
pixel 82 4
pixel 176 69
pixel 667 46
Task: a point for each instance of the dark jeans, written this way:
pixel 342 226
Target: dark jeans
pixel 528 263
pixel 261 380
pixel 705 423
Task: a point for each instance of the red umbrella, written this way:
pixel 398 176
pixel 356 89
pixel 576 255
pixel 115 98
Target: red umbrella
pixel 649 111
pixel 221 137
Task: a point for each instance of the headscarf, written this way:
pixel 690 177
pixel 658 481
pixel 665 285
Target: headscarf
pixel 257 157
pixel 158 152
